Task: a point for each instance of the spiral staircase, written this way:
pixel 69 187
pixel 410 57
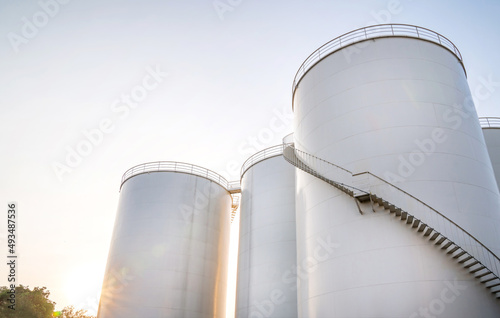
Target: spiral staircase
pixel 416 215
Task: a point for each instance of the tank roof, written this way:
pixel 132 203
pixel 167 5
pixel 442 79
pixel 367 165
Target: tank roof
pixel 181 167
pixel 373 32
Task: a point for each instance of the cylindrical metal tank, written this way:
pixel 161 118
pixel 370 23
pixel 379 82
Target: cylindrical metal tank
pixel 266 284
pixel 491 132
pixel 392 100
pixel 169 249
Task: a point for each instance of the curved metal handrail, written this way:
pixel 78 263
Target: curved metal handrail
pixel 465 232
pixel 449 229
pixel 260 156
pixel 338 176
pixel 372 32
pixel 489 122
pixel 288 139
pixel 174 166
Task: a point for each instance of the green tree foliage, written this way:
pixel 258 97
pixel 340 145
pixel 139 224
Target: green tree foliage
pixel 28 303
pixel 71 312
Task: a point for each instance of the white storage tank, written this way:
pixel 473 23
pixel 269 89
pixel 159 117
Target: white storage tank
pixel 169 249
pixel 392 100
pixel 266 284
pixel 491 132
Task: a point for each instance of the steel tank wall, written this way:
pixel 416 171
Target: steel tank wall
pixel 399 108
pixel 492 139
pixel 266 285
pixel 168 254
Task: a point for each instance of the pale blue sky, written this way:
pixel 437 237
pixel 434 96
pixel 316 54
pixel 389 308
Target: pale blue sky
pixel 227 79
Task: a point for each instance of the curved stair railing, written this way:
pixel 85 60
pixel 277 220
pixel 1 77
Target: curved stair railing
pixel 330 173
pixel 455 241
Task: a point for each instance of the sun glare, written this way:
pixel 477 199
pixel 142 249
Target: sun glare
pixel 83 286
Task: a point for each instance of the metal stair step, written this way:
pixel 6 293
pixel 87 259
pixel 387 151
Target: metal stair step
pixel 452 250
pixel 480 268
pixel 441 240
pixel 494 291
pixel 459 254
pixel 428 232
pixel 489 279
pixel 471 264
pixel 404 215
pixel 446 245
pixel 409 220
pixel 422 227
pixel 434 236
pixel 488 272
pixel 465 259
pixel 493 285
pixel 375 199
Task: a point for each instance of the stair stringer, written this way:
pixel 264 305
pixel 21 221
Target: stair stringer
pixel 468 251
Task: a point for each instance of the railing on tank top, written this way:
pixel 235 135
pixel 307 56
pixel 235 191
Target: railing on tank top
pixel 260 156
pixel 174 166
pixel 232 187
pixel 288 139
pixel 400 198
pixel 373 32
pixel 489 122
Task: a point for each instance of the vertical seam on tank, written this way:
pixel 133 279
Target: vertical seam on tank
pixel 249 227
pixel 184 311
pixel 217 275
